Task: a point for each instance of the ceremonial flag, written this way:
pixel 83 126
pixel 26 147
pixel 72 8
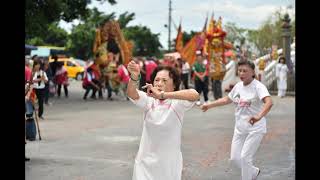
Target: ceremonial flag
pixel 179 40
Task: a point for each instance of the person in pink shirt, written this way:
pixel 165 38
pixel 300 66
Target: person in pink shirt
pixel 150 66
pixel 27 71
pixel 123 74
pixel 168 61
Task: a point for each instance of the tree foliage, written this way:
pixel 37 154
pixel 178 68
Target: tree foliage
pixel 269 33
pixel 39 14
pixel 145 42
pixel 82 36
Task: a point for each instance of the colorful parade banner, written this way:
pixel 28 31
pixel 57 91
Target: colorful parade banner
pixel 179 40
pixel 188 53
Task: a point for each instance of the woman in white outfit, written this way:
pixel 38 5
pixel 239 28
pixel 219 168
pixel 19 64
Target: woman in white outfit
pixel 281 74
pixel 253 102
pixel 159 156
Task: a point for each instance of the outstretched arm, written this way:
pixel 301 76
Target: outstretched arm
pixel 220 102
pixel 134 70
pixel 186 94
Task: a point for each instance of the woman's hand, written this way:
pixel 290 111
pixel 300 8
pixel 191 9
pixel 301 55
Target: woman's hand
pixel 152 91
pixel 134 69
pixel 254 119
pixel 204 107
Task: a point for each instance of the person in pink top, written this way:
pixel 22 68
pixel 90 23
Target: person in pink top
pixel 27 71
pixel 123 74
pixel 150 66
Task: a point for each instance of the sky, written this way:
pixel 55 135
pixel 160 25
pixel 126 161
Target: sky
pixel 154 13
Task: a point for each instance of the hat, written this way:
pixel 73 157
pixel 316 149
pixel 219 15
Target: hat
pixel 198 53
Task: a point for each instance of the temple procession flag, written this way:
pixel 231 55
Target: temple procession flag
pixel 179 40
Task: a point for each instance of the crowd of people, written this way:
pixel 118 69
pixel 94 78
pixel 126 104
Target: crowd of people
pixel 41 80
pixel 154 85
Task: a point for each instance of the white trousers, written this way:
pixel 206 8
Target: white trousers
pixel 281 92
pixel 243 148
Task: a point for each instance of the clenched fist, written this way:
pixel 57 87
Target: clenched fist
pixel 134 69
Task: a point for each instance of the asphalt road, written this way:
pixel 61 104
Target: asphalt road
pixel 98 139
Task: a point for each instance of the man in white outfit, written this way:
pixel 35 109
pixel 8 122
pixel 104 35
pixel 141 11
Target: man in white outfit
pixel 159 156
pixel 253 102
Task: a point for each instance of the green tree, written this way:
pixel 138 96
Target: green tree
pixel 270 32
pixel 125 18
pixel 36 41
pixel 186 37
pixel 40 14
pixel 80 41
pixel 56 36
pixel 145 42
pixel 235 34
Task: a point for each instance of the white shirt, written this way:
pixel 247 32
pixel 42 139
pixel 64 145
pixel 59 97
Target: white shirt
pixel 185 68
pixel 40 84
pixel 159 156
pixel 248 101
pixel 89 76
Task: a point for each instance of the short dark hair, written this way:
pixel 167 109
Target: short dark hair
pixel 248 63
pixel 281 57
pixel 36 62
pixel 34 56
pixel 55 57
pixel 173 73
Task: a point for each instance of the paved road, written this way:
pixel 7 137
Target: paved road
pixel 99 139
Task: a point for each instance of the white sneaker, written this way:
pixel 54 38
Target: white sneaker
pixel 198 103
pixel 255 178
pixel 207 102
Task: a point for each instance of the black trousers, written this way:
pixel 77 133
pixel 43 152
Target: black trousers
pixel 216 88
pixel 185 80
pixel 99 91
pixel 109 89
pixel 40 96
pixel 88 88
pixel 202 86
pixel 65 90
pixel 46 93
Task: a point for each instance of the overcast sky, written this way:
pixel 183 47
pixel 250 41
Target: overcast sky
pixel 154 13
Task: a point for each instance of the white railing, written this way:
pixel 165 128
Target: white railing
pixel 269 74
pixel 230 76
pixel 268 77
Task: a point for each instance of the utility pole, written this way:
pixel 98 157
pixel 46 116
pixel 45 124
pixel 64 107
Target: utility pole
pixel 169 27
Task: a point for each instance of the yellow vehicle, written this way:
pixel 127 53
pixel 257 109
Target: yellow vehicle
pixel 74 69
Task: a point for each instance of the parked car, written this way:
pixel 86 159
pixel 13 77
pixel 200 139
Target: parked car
pixel 74 69
pixel 81 62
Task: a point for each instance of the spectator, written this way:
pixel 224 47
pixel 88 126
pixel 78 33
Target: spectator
pixel 61 78
pixel 39 80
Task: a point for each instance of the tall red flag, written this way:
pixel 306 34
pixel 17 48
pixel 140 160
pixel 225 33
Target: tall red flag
pixel 179 40
pixel 188 53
